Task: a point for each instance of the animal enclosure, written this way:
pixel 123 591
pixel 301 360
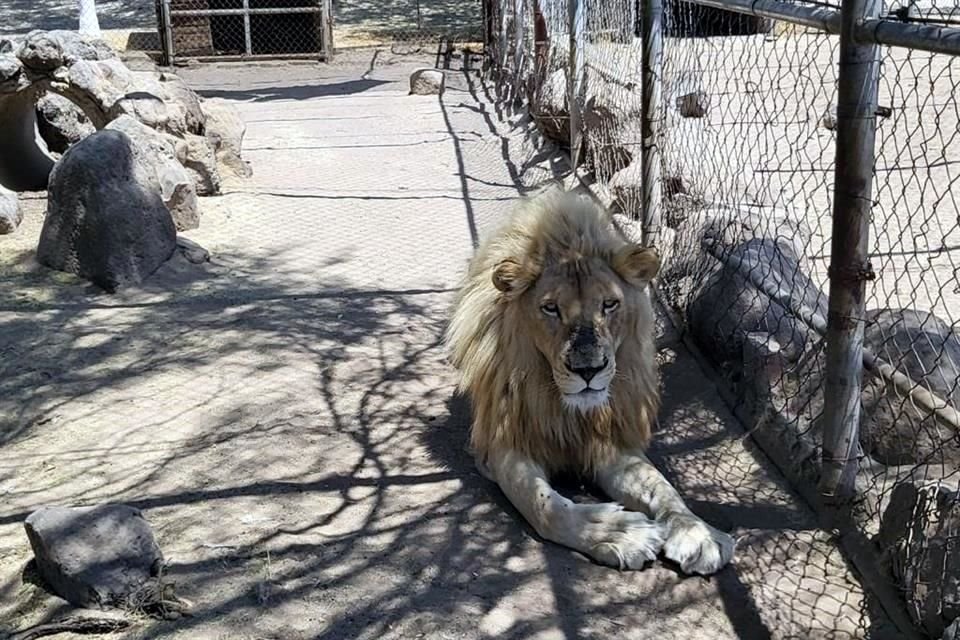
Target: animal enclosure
pixel 795 163
pixel 244 28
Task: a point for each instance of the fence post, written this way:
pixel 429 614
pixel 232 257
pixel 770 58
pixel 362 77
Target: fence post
pixel 849 267
pixel 652 80
pixel 575 79
pixel 166 20
pixel 519 8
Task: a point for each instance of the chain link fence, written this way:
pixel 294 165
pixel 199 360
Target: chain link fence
pixel 244 29
pixel 769 169
pixel 407 24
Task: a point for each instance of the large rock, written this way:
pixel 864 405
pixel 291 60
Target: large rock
pixel 225 130
pixel 106 220
pixel 159 153
pixel 925 349
pixel 10 213
pixel 756 289
pixel 94 556
pixel 61 123
pixel 918 535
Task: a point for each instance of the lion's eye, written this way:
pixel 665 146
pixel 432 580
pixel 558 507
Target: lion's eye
pixel 609 306
pixel 550 309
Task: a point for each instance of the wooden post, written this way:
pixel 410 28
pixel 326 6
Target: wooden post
pixel 849 268
pixel 652 82
pixel 575 78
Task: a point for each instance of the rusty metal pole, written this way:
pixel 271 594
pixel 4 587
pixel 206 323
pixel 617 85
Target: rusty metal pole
pixel 849 266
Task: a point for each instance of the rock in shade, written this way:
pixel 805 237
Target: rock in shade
pixel 94 556
pixel 10 213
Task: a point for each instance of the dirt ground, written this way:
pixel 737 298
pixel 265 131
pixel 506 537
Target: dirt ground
pixel 286 419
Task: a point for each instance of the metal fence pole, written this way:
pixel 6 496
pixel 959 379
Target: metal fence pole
pixel 247 34
pixel 519 7
pixel 652 79
pixel 575 79
pixel 849 269
pixel 167 24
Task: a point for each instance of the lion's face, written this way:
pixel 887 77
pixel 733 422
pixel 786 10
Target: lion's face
pixel 577 312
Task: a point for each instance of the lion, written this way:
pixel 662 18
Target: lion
pixel 552 333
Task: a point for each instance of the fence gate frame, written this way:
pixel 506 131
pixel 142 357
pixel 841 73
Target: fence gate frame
pixel 321 8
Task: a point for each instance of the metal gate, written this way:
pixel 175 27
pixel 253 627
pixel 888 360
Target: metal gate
pixel 244 29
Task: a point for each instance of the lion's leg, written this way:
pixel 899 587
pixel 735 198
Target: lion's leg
pixel 605 532
pixel 693 544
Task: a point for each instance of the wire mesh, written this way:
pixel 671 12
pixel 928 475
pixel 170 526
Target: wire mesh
pixel 243 28
pixel 411 24
pixel 746 131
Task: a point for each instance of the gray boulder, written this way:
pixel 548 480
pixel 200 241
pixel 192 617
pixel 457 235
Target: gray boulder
pixel 163 156
pixel 106 220
pixel 927 350
pixel 10 213
pixel 918 534
pixel 755 289
pixel 61 123
pixel 94 557
pixel 225 129
pixel 427 82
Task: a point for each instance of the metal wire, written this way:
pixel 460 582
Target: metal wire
pixel 746 133
pixel 244 28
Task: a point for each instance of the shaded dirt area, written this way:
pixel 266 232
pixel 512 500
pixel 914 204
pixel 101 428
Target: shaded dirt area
pixel 285 416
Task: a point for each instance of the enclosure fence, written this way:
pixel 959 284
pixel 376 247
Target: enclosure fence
pixel 244 29
pixel 795 164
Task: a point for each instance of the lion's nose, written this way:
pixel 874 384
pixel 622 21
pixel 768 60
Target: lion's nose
pixel 588 373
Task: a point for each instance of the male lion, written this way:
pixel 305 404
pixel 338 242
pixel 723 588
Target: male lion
pixel 553 334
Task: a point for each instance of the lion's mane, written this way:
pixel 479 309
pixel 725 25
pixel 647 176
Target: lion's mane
pixel 515 402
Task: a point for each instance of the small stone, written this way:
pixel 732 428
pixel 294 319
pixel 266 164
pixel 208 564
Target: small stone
pixel 10 69
pixel 829 118
pixel 427 82
pixel 693 105
pixel 193 252
pixel 201 163
pixel 225 129
pixel 94 556
pixel 10 213
pixel 41 51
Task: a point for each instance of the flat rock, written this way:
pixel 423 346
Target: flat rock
pixel 94 556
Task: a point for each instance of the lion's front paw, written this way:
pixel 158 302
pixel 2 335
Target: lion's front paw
pixel 621 539
pixel 696 546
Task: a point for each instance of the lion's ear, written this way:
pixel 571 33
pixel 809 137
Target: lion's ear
pixel 637 265
pixel 510 277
